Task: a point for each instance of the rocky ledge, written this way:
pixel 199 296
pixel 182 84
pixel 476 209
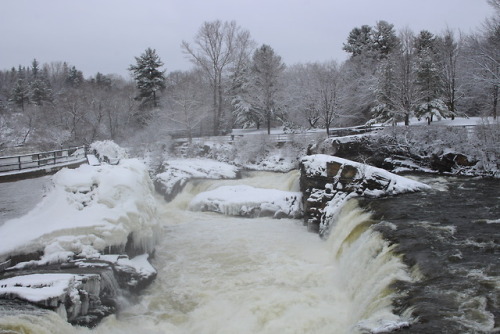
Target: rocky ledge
pixel 327 182
pixel 80 290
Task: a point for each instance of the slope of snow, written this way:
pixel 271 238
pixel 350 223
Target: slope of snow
pixel 88 209
pixel 245 200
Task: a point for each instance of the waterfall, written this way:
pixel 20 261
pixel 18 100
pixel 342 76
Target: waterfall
pixel 222 274
pixel 366 269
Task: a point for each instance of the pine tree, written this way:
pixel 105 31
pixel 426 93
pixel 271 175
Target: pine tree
pixel 39 90
pixel 384 38
pixel 74 78
pixel 266 70
pixel 149 79
pixel 19 94
pixel 359 41
pixel 428 79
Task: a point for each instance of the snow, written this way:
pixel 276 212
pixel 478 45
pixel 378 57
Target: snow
pixel 458 121
pixel 316 165
pixel 108 151
pixel 179 171
pixel 88 209
pixel 246 200
pixel 140 263
pixel 368 181
pixel 93 160
pixel 40 288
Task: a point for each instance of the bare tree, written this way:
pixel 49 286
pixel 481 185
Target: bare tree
pixel 449 53
pixel 217 46
pixel 186 97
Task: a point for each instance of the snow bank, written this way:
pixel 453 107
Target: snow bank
pixel 177 172
pixel 108 151
pixel 38 287
pixel 245 200
pixel 88 209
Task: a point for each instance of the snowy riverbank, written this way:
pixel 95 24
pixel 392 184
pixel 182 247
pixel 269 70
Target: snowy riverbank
pixel 85 244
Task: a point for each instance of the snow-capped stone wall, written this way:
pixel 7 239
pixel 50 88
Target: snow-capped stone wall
pixel 327 182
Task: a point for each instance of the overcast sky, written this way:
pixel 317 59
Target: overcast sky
pixel 105 35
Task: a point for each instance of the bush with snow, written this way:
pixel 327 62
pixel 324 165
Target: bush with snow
pixel 108 151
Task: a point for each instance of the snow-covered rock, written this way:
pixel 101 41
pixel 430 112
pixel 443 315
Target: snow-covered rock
pixel 244 200
pixel 327 182
pixel 177 172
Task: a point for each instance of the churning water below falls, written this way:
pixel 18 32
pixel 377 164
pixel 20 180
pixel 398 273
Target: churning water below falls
pixel 221 274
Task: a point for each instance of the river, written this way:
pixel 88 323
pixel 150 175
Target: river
pixel 426 260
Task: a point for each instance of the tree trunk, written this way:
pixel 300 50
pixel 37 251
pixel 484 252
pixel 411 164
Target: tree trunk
pixel 495 101
pixel 269 122
pixel 215 129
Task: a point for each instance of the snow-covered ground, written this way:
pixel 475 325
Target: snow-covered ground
pixel 88 209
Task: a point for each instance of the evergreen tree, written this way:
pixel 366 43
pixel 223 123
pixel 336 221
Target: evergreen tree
pixel 19 95
pixel 359 41
pixel 428 79
pixel 39 90
pixel 384 38
pixel 74 79
pixel 266 71
pixel 149 79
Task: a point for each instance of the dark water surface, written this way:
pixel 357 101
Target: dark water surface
pixel 450 237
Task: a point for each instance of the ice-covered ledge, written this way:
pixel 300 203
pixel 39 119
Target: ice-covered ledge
pixel 327 182
pixel 85 244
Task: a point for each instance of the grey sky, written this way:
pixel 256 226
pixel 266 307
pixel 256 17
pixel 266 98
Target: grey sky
pixel 105 35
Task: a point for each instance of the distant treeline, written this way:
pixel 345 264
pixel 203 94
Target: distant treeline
pixel 389 77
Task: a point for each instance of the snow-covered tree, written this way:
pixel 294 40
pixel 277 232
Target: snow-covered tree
pixel 385 40
pixel 20 94
pixel 449 55
pixel 187 104
pixel 359 41
pixel 428 79
pixel 387 108
pixel 485 56
pixel 217 46
pixel 39 89
pixel 327 93
pixel 266 70
pixel 74 78
pixel 149 78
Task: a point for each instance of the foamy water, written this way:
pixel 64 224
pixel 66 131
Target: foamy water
pixel 220 274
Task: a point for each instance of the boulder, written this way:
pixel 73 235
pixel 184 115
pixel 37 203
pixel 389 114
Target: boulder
pixel 328 181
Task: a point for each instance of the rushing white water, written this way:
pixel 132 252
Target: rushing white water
pixel 219 274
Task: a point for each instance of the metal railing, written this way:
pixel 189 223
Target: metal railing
pixel 42 159
pixel 282 137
